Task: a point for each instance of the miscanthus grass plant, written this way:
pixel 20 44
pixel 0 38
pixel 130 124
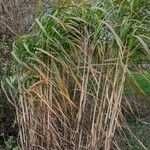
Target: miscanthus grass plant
pixel 69 74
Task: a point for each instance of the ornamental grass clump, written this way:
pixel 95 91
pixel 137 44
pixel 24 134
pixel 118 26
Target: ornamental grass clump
pixel 70 74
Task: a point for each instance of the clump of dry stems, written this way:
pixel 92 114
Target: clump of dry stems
pixel 70 79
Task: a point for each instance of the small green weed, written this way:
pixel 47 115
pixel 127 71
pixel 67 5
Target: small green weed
pixel 10 144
